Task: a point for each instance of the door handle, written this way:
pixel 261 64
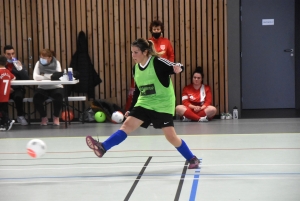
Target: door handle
pixel 288 50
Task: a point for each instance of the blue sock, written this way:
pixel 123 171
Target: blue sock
pixel 185 151
pixel 114 139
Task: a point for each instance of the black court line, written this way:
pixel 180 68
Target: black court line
pixel 137 179
pixel 181 182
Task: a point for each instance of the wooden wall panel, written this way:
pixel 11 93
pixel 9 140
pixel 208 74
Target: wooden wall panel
pixel 123 52
pixel 199 34
pixel 94 43
pixel 180 52
pixel 34 39
pixel 193 24
pixel 100 47
pixel 40 26
pixel 2 26
pixel 215 66
pixel 117 57
pixel 19 27
pixel 51 20
pixel 12 23
pixel 221 67
pixel 128 39
pixel 26 14
pixel 60 33
pixel 225 63
pixel 111 44
pixel 186 43
pixel 197 30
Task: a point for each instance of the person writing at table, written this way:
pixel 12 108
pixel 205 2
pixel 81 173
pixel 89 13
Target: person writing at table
pixel 196 100
pixel 43 70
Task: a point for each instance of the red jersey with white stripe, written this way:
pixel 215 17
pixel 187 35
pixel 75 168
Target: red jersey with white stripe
pixel 190 95
pixel 5 77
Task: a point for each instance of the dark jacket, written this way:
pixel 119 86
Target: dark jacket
pixel 81 62
pixel 20 75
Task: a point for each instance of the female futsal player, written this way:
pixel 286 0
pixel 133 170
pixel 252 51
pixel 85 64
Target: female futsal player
pixel 154 101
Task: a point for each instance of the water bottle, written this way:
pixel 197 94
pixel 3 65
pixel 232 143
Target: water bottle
pixel 235 113
pixel 65 75
pixel 70 74
pixel 16 64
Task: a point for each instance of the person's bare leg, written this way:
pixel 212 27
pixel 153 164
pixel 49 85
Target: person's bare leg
pixel 180 110
pixel 171 136
pixel 210 111
pixel 130 124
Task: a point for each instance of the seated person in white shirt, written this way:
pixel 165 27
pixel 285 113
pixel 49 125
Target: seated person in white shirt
pixel 43 70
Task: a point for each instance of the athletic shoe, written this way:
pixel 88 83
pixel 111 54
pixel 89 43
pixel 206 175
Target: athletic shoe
pixel 95 145
pixel 44 121
pixel 2 128
pixel 9 124
pixel 55 121
pixel 223 115
pixel 185 119
pixel 22 120
pixel 203 119
pixel 228 116
pixel 194 163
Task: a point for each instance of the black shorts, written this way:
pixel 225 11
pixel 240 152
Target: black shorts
pixel 159 120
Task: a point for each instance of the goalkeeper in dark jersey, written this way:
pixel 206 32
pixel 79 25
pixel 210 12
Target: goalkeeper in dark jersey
pixel 153 101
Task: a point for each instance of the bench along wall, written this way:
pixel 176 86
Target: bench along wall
pixel 196 28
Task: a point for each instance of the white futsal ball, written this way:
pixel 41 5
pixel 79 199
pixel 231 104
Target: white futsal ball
pixel 36 148
pixel 117 117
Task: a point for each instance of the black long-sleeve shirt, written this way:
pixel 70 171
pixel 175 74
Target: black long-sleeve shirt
pixel 163 69
pixel 20 75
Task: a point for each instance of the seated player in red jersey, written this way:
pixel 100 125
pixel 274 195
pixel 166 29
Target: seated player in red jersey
pixel 196 100
pixel 5 77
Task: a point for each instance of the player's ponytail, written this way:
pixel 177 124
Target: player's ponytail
pixel 144 45
pixel 152 50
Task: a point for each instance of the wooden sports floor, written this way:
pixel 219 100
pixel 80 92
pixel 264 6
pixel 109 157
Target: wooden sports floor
pixel 242 160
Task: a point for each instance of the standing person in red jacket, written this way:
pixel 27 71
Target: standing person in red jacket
pixel 196 100
pixel 162 45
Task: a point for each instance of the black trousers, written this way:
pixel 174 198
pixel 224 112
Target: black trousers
pixel 41 95
pixel 3 112
pixel 18 96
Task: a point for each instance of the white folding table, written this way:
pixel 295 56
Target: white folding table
pixel 48 82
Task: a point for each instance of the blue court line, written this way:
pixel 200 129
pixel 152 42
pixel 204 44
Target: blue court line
pixel 195 183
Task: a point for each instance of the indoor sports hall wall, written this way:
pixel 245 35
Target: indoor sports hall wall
pixel 196 28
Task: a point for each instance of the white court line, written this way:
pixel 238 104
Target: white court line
pixel 202 177
pixel 156 135
pixel 96 167
pixel 160 150
pixel 138 166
